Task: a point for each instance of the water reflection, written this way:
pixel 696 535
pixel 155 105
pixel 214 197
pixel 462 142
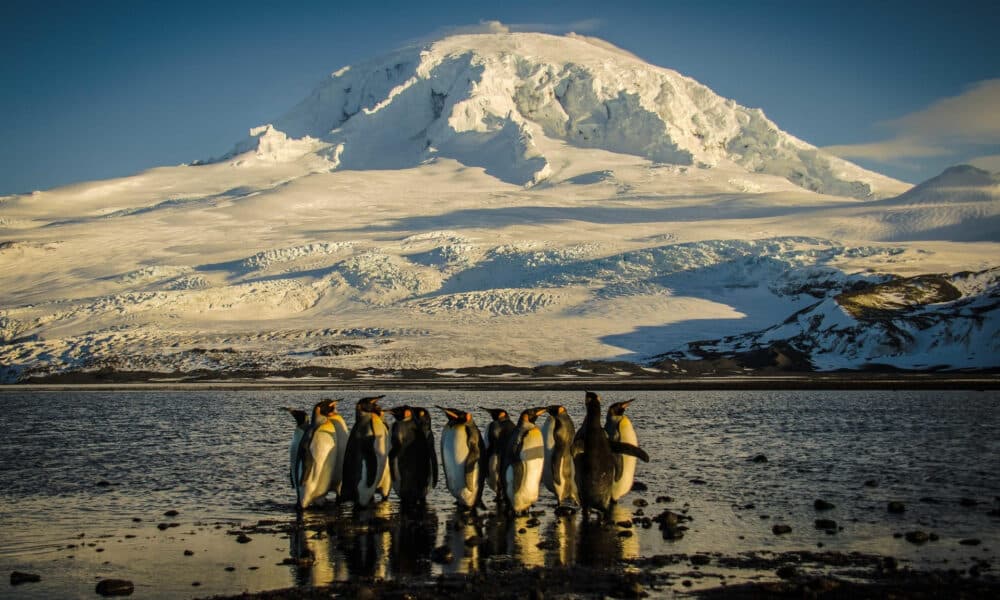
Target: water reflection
pixel 385 541
pixel 413 540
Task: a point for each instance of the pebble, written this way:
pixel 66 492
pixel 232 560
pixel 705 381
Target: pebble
pixel 826 524
pixel 700 559
pixel 664 499
pixel 786 572
pixel 781 529
pixel 115 587
pixel 917 537
pixel 759 458
pixel 871 483
pixel 970 542
pixel 243 538
pixel 821 504
pixel 638 486
pixel 896 507
pixel 639 502
pixel 188 553
pixel 17 578
pixel 171 513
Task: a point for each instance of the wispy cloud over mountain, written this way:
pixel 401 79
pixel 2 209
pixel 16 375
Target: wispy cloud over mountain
pixel 968 119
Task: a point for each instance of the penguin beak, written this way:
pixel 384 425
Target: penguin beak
pixel 450 412
pixel 627 402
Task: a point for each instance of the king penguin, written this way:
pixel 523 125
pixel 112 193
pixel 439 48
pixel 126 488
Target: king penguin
pixel 557 436
pixel 497 435
pixel 411 460
pixel 301 428
pixel 342 433
pixel 619 429
pixel 594 460
pixel 463 453
pixel 523 462
pixel 366 457
pixel 316 458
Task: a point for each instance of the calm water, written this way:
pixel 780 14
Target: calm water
pixel 220 459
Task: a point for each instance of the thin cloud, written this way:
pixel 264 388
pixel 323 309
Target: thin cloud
pixel 579 26
pixel 989 163
pixel 971 118
pixel 890 150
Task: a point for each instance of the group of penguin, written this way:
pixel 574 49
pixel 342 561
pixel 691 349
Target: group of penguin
pixel 592 467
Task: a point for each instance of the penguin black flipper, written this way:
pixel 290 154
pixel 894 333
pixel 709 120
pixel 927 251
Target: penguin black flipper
pixel 578 446
pixel 434 460
pixel 474 443
pixel 623 448
pixel 619 463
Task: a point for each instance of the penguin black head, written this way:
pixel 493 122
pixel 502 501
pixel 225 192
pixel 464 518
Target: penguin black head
pixel 299 415
pixel 366 404
pixel 529 415
pixel 555 410
pixel 328 406
pixel 324 408
pixel 498 414
pixel 618 408
pixel 401 413
pixel 593 402
pixel 455 416
pixel 422 415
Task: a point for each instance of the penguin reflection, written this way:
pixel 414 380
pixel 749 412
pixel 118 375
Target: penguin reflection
pixel 461 526
pixel 600 543
pixel 414 538
pixel 366 542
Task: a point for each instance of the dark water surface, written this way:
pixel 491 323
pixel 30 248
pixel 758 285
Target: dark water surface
pixel 220 459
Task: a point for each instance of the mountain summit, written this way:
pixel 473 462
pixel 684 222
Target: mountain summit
pixel 512 102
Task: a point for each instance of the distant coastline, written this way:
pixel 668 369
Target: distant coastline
pixel 989 380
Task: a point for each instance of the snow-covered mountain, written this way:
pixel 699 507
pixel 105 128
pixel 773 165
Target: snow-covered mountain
pixel 489 199
pixel 505 102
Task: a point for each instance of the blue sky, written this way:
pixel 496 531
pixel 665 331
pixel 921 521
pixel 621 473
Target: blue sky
pixel 100 89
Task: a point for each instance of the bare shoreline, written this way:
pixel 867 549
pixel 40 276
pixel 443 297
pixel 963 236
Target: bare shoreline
pixel 835 381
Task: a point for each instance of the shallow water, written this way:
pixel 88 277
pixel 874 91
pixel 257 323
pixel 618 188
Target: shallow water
pixel 220 459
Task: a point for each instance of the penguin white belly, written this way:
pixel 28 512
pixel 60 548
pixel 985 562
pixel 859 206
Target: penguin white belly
pixel 548 430
pixel 532 457
pixel 455 448
pixel 562 489
pixel 324 453
pixel 341 433
pixel 383 475
pixel 293 452
pixel 622 485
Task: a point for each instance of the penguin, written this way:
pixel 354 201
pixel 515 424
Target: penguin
pixel 523 462
pixel 301 427
pixel 316 458
pixel 594 461
pixel 342 433
pixel 423 416
pixel 411 460
pixel 496 438
pixel 463 453
pixel 382 450
pixel 366 454
pixel 619 429
pixel 558 475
